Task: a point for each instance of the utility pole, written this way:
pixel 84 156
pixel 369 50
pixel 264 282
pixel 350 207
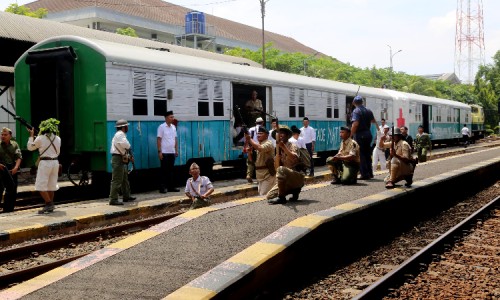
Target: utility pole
pixel 263 13
pixel 390 61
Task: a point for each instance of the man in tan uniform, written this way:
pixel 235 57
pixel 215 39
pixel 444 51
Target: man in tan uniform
pixel 265 158
pixel 401 162
pixel 345 164
pixel 254 109
pixel 290 180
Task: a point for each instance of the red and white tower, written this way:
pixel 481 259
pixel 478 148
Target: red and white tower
pixel 469 39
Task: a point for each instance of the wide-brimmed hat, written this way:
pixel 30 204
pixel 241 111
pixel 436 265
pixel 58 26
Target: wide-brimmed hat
pixel 396 131
pixel 283 128
pixel 121 123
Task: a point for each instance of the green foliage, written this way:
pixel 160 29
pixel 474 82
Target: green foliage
pixel 26 11
pixel 485 91
pixel 129 31
pixel 49 126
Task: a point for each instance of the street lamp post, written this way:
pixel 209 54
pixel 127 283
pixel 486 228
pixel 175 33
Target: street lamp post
pixel 263 14
pixel 390 60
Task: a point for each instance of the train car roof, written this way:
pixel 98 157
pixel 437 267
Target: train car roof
pixel 426 99
pixel 128 55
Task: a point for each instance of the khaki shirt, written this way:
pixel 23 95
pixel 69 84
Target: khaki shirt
pixel 289 161
pixel 267 152
pixel 9 153
pixel 402 148
pixel 350 147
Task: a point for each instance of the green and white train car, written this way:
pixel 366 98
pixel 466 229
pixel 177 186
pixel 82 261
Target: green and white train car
pixel 89 84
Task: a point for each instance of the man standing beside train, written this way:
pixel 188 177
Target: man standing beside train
pixel 362 119
pixel 166 140
pixel 10 162
pixel 309 135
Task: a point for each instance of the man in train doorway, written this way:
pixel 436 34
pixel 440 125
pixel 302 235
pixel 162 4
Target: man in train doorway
pixel 254 109
pixel 309 135
pixel 289 179
pixel 362 119
pixel 167 152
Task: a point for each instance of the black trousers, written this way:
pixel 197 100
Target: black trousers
pixel 9 185
pixel 364 140
pixel 309 149
pixel 167 171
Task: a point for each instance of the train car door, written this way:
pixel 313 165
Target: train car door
pixel 349 108
pixel 52 89
pixel 426 117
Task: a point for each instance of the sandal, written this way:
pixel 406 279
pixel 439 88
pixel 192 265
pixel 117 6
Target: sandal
pixel 389 185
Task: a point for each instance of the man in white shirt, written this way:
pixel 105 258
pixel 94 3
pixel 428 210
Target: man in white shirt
pixel 167 152
pixel 274 122
pixel 296 138
pixel 309 135
pixel 252 155
pixel 465 135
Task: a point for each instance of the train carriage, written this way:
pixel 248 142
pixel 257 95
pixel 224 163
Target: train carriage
pixel 89 84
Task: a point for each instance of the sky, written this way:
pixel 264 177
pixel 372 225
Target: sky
pixel 364 33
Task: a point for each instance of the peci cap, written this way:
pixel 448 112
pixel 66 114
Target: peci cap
pixel 169 113
pixel 305 119
pixel 345 128
pixel 259 120
pixel 358 99
pixel 121 123
pixel 295 129
pixel 263 129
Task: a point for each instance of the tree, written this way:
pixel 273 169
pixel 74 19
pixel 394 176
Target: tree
pixel 127 31
pixel 26 11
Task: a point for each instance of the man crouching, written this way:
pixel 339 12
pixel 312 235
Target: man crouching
pixel 401 161
pixel 290 179
pixel 345 164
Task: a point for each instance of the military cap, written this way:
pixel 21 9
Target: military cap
pixel 263 129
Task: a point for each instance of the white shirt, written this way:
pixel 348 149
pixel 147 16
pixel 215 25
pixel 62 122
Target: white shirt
pixel 271 137
pixel 308 133
pixel 298 142
pixel 201 185
pixel 42 142
pixel 465 131
pixel 167 135
pixel 119 143
pixel 253 132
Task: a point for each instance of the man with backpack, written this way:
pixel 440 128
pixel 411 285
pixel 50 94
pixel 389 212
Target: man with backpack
pixel 290 172
pixel 345 164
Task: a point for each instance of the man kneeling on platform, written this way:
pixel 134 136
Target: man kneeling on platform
pixel 288 172
pixel 401 163
pixel 198 188
pixel 345 164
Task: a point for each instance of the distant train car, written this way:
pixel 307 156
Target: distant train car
pixel 89 84
pixel 477 129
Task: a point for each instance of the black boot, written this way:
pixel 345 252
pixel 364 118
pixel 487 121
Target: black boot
pixel 295 195
pixel 279 200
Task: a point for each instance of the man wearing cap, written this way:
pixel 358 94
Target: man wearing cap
pixel 362 118
pixel 289 179
pixel 166 141
pixel 401 162
pixel 264 163
pixel 345 164
pixel 198 188
pixel 422 144
pixel 252 132
pixel 309 135
pixel 253 108
pixel 10 162
pixel 379 152
pixel 119 173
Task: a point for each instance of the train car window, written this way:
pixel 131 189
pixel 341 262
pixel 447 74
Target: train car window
pixel 139 99
pixel 302 110
pixel 218 99
pixel 291 111
pixel 160 95
pixel 203 100
pixel 296 107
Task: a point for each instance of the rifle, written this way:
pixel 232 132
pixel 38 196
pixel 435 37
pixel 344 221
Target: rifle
pixel 277 157
pixel 245 131
pixel 131 160
pixel 18 118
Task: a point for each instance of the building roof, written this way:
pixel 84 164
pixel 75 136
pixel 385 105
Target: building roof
pixel 451 77
pixel 32 30
pixel 168 13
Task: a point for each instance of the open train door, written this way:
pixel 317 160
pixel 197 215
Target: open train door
pixel 426 117
pixel 52 90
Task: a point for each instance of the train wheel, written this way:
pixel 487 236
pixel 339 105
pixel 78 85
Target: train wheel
pixel 77 175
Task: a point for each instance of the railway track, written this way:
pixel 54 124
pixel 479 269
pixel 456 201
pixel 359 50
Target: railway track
pixel 368 274
pixel 27 260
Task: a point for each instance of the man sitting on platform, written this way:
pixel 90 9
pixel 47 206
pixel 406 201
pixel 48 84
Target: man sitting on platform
pixel 345 164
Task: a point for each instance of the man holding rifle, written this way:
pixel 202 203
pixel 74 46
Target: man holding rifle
pixel 401 161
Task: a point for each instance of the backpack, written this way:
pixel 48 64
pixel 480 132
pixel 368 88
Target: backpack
pixel 304 159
